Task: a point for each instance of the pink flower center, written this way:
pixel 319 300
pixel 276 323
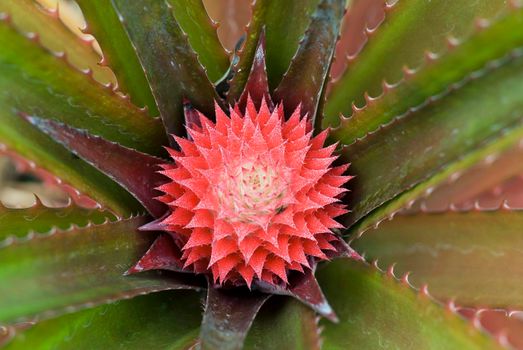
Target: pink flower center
pixel 251 190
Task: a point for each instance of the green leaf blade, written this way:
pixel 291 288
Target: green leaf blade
pixel 425 142
pixel 169 62
pixel 303 83
pixel 471 257
pixel 34 82
pixel 39 218
pixel 165 320
pixel 436 76
pixel 195 22
pixel 47 274
pixel 46 27
pixel 410 28
pixel 102 21
pixel 376 312
pixel 282 39
pixel 284 323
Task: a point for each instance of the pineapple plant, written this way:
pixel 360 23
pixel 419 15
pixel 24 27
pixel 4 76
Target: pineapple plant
pixel 346 176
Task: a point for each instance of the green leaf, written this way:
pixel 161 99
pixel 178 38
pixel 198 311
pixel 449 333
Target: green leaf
pixel 410 28
pixel 46 275
pixel 170 63
pixel 472 257
pixel 194 21
pixel 428 141
pixel 282 39
pixel 464 189
pixel 436 76
pixel 25 140
pixel 165 320
pixel 46 27
pixel 39 218
pixel 102 21
pixel 377 312
pixel 34 82
pixel 228 316
pixel 284 323
pixel 305 79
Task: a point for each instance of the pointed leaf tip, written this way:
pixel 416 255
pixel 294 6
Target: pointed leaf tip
pixel 305 288
pixel 162 255
pixel 133 170
pixel 257 86
pixel 192 117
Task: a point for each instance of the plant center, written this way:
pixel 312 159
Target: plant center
pixel 251 190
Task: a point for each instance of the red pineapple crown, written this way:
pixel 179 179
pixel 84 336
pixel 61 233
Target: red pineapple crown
pixel 252 195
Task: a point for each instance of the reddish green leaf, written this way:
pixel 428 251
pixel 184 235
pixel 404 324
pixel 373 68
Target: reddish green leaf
pixel 436 76
pixel 284 323
pixel 62 271
pixel 472 257
pixel 304 287
pixel 135 171
pixel 362 17
pixel 410 28
pixel 228 316
pixel 487 183
pixel 39 218
pixel 257 85
pixel 165 320
pixel 506 326
pixel 163 254
pixel 169 62
pixel 282 37
pixel 194 21
pixel 428 141
pixel 118 53
pixel 377 312
pixel 46 27
pixel 305 79
pixel 34 82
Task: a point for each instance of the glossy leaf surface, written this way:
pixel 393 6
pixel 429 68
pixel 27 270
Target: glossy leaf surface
pixel 436 76
pixel 135 171
pixel 282 37
pixel 45 26
pixel 227 317
pixel 62 271
pixel 305 79
pixel 165 320
pixel 118 53
pixel 169 62
pixel 377 311
pixel 39 218
pixel 414 148
pixel 34 82
pixel 284 323
pixel 472 257
pixel 194 21
pixel 410 28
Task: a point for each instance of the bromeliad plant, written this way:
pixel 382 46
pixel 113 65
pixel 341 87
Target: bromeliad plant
pixel 240 189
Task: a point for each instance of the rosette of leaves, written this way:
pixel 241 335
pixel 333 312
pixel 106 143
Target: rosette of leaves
pixel 427 109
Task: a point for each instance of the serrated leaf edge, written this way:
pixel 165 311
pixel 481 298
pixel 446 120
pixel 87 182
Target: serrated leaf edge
pixel 423 292
pixel 23 164
pixel 62 56
pixel 489 67
pixel 429 58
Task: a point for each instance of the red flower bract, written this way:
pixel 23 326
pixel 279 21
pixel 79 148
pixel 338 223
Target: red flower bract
pixel 252 195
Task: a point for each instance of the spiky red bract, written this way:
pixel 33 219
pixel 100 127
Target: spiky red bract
pixel 253 195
